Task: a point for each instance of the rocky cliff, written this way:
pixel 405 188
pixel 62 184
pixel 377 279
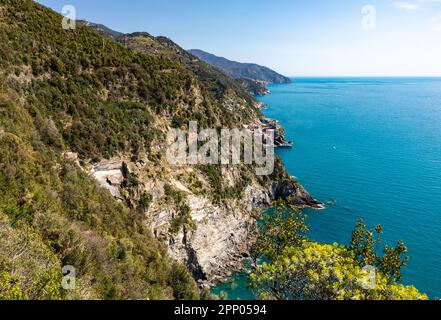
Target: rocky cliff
pixel 215 236
pixel 222 228
pixel 83 125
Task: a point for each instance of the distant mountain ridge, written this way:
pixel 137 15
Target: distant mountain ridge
pixel 237 70
pixel 252 78
pixel 215 80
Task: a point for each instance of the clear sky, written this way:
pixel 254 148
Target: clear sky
pixel 294 37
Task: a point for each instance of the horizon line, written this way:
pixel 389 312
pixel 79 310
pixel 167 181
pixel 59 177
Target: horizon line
pixel 362 76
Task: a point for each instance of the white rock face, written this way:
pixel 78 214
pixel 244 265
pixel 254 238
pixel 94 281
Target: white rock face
pixel 256 198
pixel 72 156
pixel 218 243
pixel 201 208
pixel 222 237
pixel 109 175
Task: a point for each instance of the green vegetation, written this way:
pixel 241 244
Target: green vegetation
pixel 94 94
pixel 214 176
pixel 144 201
pixel 75 90
pixel 214 81
pixel 194 184
pixel 178 200
pixel 296 268
pixel 237 70
pixel 52 215
pixel 221 192
pixel 70 90
pixel 28 268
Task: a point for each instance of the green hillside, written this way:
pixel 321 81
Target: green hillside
pixel 237 70
pixel 81 92
pixel 75 90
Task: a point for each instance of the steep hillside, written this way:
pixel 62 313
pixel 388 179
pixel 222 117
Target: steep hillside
pixel 52 214
pixel 238 70
pixel 83 177
pixel 217 82
pixel 214 81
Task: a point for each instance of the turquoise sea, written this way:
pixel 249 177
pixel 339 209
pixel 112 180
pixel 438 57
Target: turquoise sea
pixel 370 148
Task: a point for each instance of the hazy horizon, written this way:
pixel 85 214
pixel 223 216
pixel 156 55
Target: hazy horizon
pixel 319 38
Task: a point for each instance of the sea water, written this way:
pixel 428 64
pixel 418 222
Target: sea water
pixel 369 148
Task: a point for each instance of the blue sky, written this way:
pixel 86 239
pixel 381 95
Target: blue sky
pixel 297 38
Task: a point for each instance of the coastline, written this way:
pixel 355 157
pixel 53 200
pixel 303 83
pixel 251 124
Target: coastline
pixel 281 142
pixel 337 159
pixel 239 266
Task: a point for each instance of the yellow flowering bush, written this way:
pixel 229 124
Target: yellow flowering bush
pixel 316 271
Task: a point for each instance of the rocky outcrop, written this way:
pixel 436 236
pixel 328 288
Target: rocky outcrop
pixel 221 238
pixel 294 193
pixel 216 245
pixel 221 234
pixel 110 175
pixel 285 187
